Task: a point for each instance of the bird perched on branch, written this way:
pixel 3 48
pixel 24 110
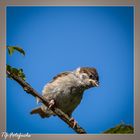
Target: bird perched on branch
pixel 66 90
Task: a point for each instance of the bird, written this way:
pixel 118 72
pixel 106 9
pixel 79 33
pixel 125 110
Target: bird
pixel 65 91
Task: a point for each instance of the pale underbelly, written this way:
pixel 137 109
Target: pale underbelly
pixel 68 103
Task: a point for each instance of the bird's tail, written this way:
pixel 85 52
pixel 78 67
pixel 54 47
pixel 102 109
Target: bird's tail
pixel 41 112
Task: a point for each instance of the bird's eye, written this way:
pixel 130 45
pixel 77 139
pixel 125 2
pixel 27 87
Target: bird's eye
pixel 91 76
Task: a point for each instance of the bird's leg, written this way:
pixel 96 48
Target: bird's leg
pixel 74 122
pixel 51 103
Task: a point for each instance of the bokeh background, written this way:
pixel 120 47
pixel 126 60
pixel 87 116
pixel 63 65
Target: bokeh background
pixel 58 39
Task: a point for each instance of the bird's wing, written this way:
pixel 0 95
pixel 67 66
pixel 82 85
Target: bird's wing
pixel 52 86
pixel 60 75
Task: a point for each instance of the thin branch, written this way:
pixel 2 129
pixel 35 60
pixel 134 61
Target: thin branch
pixel 56 110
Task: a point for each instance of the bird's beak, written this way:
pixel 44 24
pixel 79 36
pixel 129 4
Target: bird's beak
pixel 94 82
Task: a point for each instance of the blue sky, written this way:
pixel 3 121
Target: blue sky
pixel 58 39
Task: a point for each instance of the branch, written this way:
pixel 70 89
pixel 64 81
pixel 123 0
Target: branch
pixel 56 110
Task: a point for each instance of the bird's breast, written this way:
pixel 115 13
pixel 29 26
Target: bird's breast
pixel 66 92
pixel 69 99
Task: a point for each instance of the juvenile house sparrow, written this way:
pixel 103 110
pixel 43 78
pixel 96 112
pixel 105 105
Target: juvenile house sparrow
pixel 66 90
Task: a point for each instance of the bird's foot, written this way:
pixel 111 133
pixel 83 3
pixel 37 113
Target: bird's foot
pixel 37 100
pixel 51 103
pixel 73 121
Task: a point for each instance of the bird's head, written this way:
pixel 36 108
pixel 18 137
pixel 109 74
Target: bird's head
pixel 88 76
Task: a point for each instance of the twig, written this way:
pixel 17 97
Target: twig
pixel 56 110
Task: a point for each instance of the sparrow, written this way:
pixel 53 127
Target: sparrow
pixel 66 90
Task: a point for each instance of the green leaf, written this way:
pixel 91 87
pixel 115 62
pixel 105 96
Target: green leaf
pixel 17 72
pixel 120 129
pixel 21 74
pixel 12 49
pixel 8 67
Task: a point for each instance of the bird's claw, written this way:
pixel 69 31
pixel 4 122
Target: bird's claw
pixel 51 103
pixel 37 100
pixel 74 122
